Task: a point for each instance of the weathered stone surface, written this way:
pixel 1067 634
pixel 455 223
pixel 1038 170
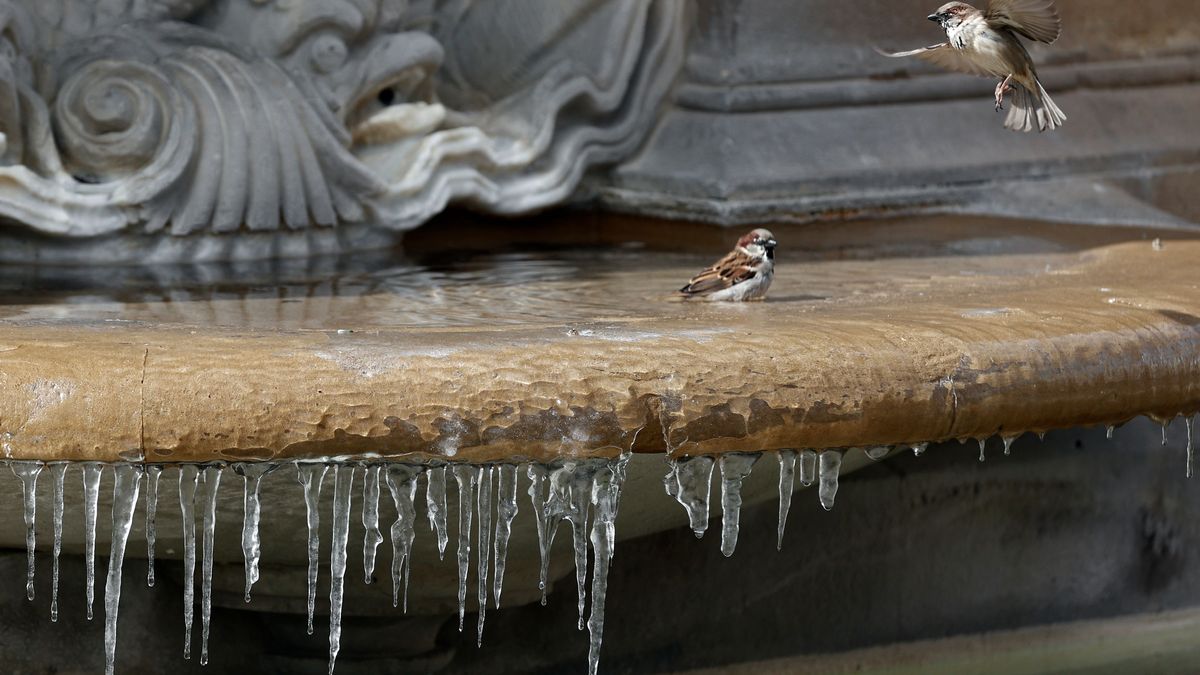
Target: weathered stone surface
pixel 845 354
pixel 235 123
pixel 787 112
pixel 226 130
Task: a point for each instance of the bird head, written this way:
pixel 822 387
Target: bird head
pixel 759 243
pixel 951 14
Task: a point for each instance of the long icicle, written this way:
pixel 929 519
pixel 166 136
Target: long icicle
pixel 91 499
pixel 252 475
pixel 537 475
pixel 435 506
pixel 370 519
pixel 787 485
pixel 485 530
pixel 402 484
pixel 465 477
pixel 605 499
pixel 570 494
pixel 189 476
pixel 28 472
pixel 311 476
pixel 126 479
pixel 735 467
pixel 58 471
pixel 212 481
pixel 506 510
pixel 153 472
pixel 343 485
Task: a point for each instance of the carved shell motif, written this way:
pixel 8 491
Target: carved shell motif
pixel 264 116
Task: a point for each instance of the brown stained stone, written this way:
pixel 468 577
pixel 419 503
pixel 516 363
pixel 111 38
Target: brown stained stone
pixel 897 351
pixel 70 394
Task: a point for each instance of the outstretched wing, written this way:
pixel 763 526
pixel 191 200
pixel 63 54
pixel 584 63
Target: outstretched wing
pixel 728 271
pixel 1035 19
pixel 944 56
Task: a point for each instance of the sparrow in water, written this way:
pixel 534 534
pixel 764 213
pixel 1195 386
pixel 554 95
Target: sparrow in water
pixel 985 43
pixel 743 274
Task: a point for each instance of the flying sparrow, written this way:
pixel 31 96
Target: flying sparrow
pixel 985 43
pixel 743 274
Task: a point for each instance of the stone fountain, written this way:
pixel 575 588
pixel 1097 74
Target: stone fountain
pixel 230 279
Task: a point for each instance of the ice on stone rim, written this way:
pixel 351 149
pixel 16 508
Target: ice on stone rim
pixel 689 482
pixel 830 462
pixel 370 520
pixel 735 466
pixel 310 477
pixel 189 479
pixel 787 482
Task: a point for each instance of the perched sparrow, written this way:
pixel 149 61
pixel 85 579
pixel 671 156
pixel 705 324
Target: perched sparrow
pixel 985 43
pixel 743 274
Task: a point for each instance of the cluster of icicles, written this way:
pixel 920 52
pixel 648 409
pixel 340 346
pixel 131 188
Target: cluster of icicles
pixel 576 491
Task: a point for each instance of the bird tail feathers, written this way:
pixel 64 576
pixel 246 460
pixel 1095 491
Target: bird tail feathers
pixel 1033 111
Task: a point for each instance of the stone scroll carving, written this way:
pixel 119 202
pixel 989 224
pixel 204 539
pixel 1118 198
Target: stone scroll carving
pixel 156 119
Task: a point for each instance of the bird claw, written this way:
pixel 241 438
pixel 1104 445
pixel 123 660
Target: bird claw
pixel 1001 90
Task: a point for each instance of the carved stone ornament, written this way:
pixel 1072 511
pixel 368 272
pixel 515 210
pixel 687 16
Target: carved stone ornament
pixel 157 128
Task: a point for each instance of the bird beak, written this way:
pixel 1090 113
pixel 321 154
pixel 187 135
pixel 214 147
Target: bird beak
pixel 770 243
pixel 935 17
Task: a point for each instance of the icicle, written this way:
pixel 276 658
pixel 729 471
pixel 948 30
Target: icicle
pixel 485 531
pixel 252 475
pixel 211 478
pixel 343 485
pixel 91 497
pixel 153 472
pixel 876 454
pixel 919 449
pixel 1008 442
pixel 370 520
pixel 1041 436
pixel 570 494
pixel 831 465
pixel 58 471
pixel 189 476
pixel 689 481
pixel 982 449
pixel 808 467
pixel 435 506
pixel 735 466
pixel 465 477
pixel 1187 423
pixel 311 477
pixel 1164 432
pixel 402 484
pixel 506 510
pixel 28 473
pixel 787 485
pixel 605 499
pixel 537 474
pixel 126 478
pixel 1108 431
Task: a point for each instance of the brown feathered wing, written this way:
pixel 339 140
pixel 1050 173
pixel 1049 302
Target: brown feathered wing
pixel 1035 19
pixel 732 269
pixel 944 56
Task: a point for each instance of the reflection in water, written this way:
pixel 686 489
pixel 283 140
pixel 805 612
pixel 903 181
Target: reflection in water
pixel 366 291
pixel 376 289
